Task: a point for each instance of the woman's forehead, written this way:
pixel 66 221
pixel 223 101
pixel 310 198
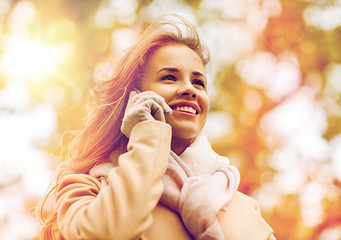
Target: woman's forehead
pixel 176 56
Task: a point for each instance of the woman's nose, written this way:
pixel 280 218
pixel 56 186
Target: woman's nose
pixel 188 90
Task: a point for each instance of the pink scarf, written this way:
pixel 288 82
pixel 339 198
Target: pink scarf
pixel 198 197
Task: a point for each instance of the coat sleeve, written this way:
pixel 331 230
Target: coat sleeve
pixel 242 220
pixel 120 209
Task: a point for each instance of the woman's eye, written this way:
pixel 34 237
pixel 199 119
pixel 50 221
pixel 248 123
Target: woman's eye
pixel 169 77
pixel 199 83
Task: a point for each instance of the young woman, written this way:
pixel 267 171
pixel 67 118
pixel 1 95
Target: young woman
pixel 140 168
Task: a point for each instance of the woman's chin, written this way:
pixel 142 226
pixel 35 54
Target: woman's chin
pixel 184 134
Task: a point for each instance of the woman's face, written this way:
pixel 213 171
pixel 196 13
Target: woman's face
pixel 176 73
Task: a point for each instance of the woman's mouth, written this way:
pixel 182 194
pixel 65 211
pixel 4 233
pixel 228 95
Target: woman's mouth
pixel 186 109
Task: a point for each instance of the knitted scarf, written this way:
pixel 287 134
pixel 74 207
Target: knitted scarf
pixel 197 185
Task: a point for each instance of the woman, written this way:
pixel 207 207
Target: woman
pixel 140 168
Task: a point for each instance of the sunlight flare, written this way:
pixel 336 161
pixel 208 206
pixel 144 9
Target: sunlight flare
pixel 32 60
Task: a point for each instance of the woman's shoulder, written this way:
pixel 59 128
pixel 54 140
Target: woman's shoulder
pixel 243 213
pixel 239 196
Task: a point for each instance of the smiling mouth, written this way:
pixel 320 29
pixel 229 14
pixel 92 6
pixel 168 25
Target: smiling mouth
pixel 185 109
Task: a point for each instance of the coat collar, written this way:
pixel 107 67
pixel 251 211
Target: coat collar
pixel 199 157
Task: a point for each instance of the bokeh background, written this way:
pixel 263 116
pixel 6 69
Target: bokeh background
pixel 275 85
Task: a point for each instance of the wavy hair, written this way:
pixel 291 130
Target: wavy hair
pixel 101 133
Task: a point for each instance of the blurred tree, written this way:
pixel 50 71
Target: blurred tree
pixel 83 31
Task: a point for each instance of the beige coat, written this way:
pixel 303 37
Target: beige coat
pixel 124 204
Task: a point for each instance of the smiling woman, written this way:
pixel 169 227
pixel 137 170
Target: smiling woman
pixel 140 168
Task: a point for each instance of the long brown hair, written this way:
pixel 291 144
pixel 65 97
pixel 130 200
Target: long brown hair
pixel 101 133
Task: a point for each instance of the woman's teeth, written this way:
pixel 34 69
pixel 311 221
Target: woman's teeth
pixel 186 109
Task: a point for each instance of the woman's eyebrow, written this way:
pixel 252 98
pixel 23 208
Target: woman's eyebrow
pixel 169 69
pixel 198 74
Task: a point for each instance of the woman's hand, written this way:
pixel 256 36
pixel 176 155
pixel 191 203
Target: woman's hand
pixel 141 107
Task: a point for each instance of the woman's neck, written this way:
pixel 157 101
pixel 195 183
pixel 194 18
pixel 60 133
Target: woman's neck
pixel 179 145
